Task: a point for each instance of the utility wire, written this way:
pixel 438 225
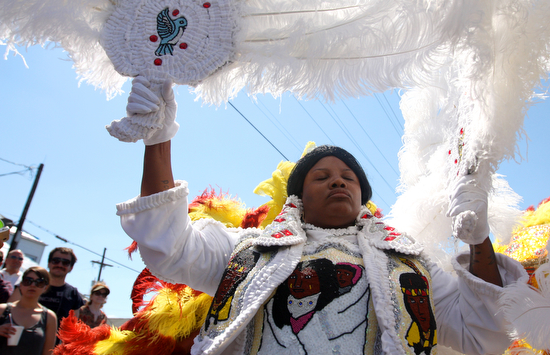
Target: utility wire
pixel 26 166
pixel 313 119
pixel 361 150
pixel 257 130
pixel 80 246
pixel 392 111
pixel 369 137
pixel 280 127
pixel 387 115
pixel 93 252
pixel 20 172
pixel 345 132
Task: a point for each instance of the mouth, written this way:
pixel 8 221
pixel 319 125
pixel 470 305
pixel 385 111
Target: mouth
pixel 339 193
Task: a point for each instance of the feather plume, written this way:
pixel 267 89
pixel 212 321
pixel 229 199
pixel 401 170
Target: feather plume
pixel 74 25
pixel 472 116
pixel 528 309
pixel 71 331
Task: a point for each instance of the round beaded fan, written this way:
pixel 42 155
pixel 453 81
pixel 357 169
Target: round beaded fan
pixel 184 41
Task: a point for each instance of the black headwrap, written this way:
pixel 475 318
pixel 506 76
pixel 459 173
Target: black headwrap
pixel 295 184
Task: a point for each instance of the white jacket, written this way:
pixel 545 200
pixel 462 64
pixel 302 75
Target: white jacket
pixel 468 319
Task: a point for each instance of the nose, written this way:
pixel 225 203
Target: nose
pixel 338 182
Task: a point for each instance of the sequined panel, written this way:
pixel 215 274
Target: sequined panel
pixel 322 308
pixel 414 314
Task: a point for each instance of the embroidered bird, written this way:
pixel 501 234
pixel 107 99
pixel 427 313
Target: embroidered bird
pixel 170 31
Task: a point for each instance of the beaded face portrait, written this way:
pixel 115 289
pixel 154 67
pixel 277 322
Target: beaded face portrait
pixel 238 268
pixel 421 335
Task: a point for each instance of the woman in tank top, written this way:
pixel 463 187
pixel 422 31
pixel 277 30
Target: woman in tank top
pixel 38 336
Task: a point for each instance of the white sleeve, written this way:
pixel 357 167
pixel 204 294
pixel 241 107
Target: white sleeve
pixel 466 309
pixel 170 246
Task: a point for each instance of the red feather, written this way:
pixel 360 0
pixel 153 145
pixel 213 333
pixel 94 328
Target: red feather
pixel 254 219
pixel 71 333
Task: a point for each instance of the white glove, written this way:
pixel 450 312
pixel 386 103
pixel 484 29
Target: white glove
pixel 151 111
pixel 169 125
pixel 468 208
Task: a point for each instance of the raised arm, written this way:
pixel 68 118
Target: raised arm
pixel 157 169
pixel 483 262
pixel 157 166
pixel 469 211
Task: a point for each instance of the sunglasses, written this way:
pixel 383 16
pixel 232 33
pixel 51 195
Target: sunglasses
pixel 15 257
pixel 27 281
pixel 102 294
pixel 64 262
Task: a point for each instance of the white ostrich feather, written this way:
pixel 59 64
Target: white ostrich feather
pixel 74 25
pixel 331 49
pixel 485 90
pixel 528 309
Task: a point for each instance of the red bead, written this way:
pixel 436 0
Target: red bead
pixel 291 205
pixel 449 152
pixel 395 234
pixel 456 161
pixel 365 216
pixel 175 12
pixel 389 239
pixel 158 61
pixel 277 235
pixel 206 5
pixel 462 131
pixel 153 38
pixel 183 45
pixel 287 232
pixel 388 228
pixel 279 219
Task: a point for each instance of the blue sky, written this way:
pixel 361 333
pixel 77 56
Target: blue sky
pixel 47 118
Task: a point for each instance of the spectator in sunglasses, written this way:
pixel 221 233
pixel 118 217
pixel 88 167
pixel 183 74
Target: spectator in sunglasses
pixel 12 270
pixel 61 297
pixel 40 323
pixel 91 313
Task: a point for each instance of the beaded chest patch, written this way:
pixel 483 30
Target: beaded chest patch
pixel 323 307
pixel 412 297
pixel 185 40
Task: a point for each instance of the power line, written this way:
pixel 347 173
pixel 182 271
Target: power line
pixel 257 130
pixel 93 252
pixel 369 137
pixel 387 115
pixel 392 111
pixel 344 130
pixel 20 172
pixel 26 166
pixel 313 119
pixel 280 127
pixel 80 246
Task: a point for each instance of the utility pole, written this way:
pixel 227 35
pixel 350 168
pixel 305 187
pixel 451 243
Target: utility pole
pixel 101 264
pixel 17 235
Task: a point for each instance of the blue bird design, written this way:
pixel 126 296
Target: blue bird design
pixel 170 31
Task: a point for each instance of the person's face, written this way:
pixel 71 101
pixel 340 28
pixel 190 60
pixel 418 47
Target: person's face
pixel 60 264
pixel 344 277
pixel 304 283
pixel 331 194
pixel 420 307
pixel 29 287
pixel 99 297
pixel 14 260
